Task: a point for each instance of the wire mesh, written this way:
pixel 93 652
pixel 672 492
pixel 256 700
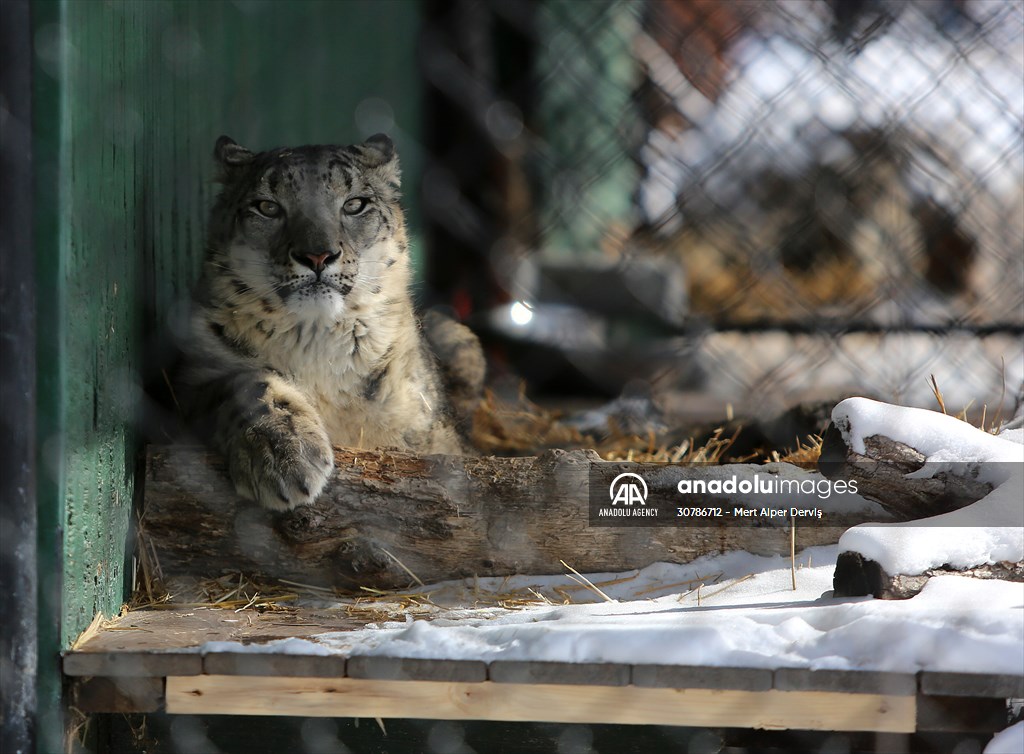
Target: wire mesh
pixel 758 203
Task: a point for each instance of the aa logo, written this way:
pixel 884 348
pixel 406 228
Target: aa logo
pixel 629 489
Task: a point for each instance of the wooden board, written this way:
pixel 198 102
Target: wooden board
pixel 158 630
pixel 1005 686
pixel 149 642
pixel 848 681
pixel 351 697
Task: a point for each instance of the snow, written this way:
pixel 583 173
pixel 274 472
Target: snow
pixel 1009 741
pixel 938 436
pixel 746 615
pixel 737 609
pixel 955 624
pixel 989 531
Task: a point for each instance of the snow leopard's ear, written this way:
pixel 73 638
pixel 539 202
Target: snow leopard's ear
pixel 380 157
pixel 379 150
pixel 229 154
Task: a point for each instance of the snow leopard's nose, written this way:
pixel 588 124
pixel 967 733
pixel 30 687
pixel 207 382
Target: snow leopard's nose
pixel 316 262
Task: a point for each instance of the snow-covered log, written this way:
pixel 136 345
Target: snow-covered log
pixel 883 470
pixel 931 468
pixel 856 576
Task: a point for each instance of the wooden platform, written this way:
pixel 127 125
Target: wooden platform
pixel 155 660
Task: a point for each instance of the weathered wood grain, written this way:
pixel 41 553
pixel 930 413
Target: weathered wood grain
pixel 982 685
pixel 125 663
pixel 378 668
pixel 387 515
pixel 151 642
pixel 690 677
pixel 881 475
pixel 849 681
pixel 563 673
pixel 275 664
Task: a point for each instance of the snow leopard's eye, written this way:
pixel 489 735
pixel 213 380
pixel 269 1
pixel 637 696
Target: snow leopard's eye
pixel 355 205
pixel 267 208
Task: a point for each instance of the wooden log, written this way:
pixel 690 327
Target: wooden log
pixel 857 576
pixel 388 515
pixel 881 475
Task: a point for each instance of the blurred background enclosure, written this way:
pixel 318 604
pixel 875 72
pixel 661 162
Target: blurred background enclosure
pixel 748 203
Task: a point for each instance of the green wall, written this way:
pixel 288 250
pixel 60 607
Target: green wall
pixel 129 98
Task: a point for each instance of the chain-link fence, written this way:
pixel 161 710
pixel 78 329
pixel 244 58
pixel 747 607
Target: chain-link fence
pixel 753 203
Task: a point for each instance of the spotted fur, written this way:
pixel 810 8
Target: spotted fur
pixel 303 333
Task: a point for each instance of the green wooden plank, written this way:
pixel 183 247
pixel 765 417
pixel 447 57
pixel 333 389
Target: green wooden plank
pixel 98 284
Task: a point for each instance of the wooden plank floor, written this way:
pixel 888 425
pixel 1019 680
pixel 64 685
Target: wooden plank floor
pixel 160 659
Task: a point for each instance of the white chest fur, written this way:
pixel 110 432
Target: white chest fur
pixel 330 361
pixel 357 359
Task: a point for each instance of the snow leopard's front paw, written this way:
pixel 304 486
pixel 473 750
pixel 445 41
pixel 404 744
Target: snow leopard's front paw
pixel 278 453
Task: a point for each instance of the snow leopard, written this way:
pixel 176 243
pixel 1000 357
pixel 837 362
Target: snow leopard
pixel 302 333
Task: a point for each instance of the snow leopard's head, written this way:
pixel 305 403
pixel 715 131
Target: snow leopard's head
pixel 314 229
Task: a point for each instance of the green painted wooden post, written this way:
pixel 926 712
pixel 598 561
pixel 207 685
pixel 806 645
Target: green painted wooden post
pixel 129 99
pixel 48 154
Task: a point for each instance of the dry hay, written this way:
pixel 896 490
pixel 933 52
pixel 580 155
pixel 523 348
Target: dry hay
pixel 992 425
pixel 240 593
pixel 514 428
pixel 507 428
pixel 805 454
